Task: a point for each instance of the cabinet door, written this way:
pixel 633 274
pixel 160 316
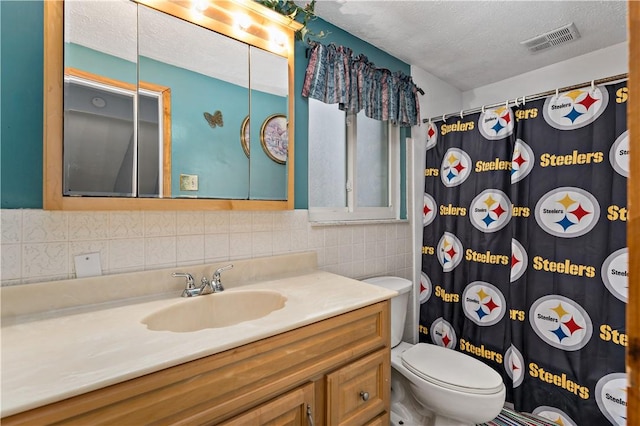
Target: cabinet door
pixel 290 409
pixel 359 391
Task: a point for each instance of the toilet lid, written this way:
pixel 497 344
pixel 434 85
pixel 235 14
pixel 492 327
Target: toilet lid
pixel 450 369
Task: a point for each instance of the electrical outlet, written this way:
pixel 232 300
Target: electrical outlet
pixel 188 182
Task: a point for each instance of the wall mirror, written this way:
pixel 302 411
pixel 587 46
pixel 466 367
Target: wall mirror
pixel 158 104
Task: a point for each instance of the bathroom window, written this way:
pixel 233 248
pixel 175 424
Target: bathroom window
pixel 353 166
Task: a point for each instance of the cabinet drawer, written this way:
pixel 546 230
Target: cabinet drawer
pixel 382 420
pixel 359 391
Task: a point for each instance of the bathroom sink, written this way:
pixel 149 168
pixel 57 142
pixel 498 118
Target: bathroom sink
pixel 215 310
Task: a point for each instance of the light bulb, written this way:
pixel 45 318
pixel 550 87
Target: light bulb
pixel 200 5
pixel 243 21
pixel 278 39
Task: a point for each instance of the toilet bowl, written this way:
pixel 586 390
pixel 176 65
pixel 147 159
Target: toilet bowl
pixel 433 385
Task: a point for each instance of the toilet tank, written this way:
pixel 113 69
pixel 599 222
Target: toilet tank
pixel 398 304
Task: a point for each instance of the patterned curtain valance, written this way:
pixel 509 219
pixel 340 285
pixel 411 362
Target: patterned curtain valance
pixel 335 75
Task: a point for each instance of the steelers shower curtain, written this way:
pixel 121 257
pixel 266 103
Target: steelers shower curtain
pixel 524 257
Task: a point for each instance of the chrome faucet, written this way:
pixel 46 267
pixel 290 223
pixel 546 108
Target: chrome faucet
pixel 206 287
pixel 216 283
pixel 190 288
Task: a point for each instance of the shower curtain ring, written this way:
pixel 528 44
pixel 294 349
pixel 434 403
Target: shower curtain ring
pixel 524 100
pixel 593 87
pixel 557 93
pixel 461 113
pixel 515 101
pixel 506 104
pixel 444 117
pixel 483 109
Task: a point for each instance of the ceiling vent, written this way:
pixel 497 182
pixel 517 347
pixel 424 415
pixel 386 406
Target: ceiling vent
pixel 552 38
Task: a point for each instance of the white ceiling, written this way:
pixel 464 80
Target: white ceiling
pixel 120 28
pixel 473 43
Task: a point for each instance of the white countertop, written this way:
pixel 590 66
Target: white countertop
pixel 47 360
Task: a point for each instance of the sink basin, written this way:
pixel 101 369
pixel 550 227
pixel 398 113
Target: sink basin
pixel 215 310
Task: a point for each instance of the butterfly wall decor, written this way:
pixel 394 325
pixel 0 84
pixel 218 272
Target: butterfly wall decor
pixel 214 119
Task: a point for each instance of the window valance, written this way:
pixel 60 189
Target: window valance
pixel 335 75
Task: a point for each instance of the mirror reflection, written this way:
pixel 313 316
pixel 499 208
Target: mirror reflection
pixel 100 86
pixel 208 74
pixel 155 106
pixel 269 125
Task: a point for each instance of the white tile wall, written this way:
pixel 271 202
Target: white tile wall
pixel 40 245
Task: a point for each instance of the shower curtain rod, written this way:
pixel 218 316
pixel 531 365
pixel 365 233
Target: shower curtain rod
pixel 526 99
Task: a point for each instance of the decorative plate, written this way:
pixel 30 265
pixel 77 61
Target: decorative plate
pixel 274 137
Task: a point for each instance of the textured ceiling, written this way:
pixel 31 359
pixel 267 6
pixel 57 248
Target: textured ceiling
pixel 117 28
pixel 473 43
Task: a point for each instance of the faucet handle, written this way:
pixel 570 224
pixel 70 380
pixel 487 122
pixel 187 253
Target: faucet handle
pixel 216 284
pixel 216 274
pixel 190 284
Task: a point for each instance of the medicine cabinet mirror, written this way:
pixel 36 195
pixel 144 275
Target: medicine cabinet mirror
pixel 166 104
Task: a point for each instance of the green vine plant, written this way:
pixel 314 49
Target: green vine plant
pixel 291 10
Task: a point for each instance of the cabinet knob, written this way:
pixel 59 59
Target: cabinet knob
pixel 364 395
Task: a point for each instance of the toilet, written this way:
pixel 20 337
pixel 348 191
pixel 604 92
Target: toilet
pixel 432 385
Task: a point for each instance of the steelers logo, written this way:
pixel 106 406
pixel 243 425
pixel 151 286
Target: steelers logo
pixel 560 322
pixel 455 168
pixel 442 334
pixel 611 397
pixel 432 135
pixel 567 212
pixel 514 365
pixel 490 211
pixel 449 252
pixel 496 124
pixel 575 109
pixel 483 303
pixel 615 275
pixel 556 415
pixel 619 154
pixel 429 209
pixel 425 288
pixel 522 161
pixel 519 260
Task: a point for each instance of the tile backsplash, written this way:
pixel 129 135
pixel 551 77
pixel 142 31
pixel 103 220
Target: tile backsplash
pixel 39 245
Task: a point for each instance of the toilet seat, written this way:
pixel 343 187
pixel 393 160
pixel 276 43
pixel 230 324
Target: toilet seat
pixel 451 370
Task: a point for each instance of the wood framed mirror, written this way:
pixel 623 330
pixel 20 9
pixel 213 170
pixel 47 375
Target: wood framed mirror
pixel 145 181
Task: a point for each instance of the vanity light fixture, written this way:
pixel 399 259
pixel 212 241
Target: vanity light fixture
pixel 243 21
pixel 278 39
pixel 200 5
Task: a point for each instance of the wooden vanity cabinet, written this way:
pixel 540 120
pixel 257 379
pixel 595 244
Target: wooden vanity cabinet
pixel 337 371
pixel 293 408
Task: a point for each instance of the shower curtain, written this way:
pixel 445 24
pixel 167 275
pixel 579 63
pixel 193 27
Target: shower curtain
pixel 524 258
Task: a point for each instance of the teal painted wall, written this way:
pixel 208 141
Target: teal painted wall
pixel 21 104
pixel 21 120
pixel 214 154
pixel 83 58
pixel 268 179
